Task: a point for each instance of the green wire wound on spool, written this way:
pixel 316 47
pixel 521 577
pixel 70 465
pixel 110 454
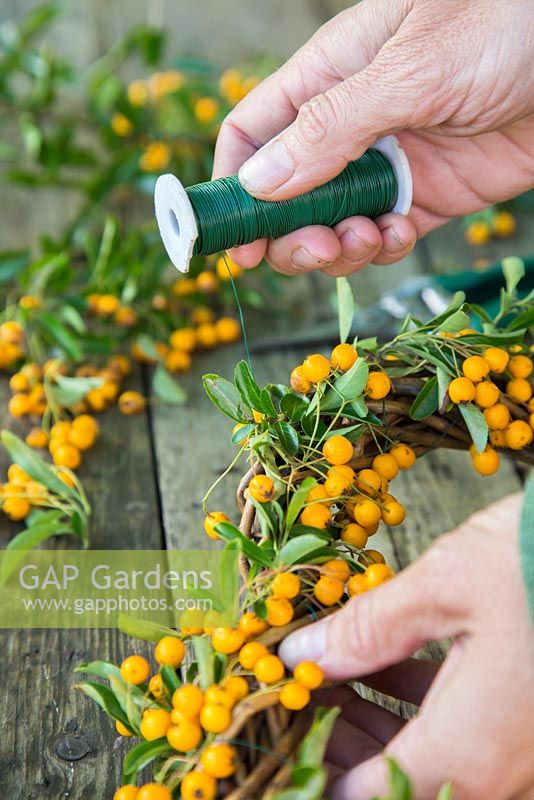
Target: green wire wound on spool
pixel 216 215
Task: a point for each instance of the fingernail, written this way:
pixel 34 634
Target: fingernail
pixel 268 169
pixel 308 644
pixel 353 247
pixel 303 259
pixel 391 232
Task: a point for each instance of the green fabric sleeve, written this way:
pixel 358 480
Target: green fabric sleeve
pixel 526 541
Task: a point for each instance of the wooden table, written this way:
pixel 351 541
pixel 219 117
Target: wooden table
pixel 146 477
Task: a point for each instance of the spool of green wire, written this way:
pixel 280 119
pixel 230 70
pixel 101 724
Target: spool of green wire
pixel 216 215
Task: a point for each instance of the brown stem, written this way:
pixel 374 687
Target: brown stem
pixel 517 411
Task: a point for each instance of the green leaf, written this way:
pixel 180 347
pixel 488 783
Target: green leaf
pixel 105 699
pixel 225 396
pixel 309 785
pixel 347 388
pixel 73 318
pixel 31 537
pixel 455 322
pixel 167 388
pixel 294 406
pixel 12 264
pixel 143 629
pixel 230 533
pixel 400 787
pixel 170 678
pixel 426 401
pixel 446 792
pixel 102 669
pixel 253 396
pixel 346 307
pixel 204 658
pixel 443 385
pixel 241 434
pixel 67 390
pixel 457 300
pixel 513 269
pixel 34 465
pixel 299 549
pixel 296 504
pixel 143 754
pixel 476 425
pixel 61 336
pixel 312 750
pixel 288 437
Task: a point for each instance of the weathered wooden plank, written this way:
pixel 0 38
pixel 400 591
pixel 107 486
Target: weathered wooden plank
pixel 56 743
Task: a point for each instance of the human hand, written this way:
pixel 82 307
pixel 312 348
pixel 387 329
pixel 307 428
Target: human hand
pixel 474 726
pixel 455 80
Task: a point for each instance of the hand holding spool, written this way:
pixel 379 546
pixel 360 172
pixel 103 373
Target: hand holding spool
pixel 217 215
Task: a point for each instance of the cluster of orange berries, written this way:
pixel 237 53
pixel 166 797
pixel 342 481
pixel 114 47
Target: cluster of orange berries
pixel 475 386
pixel 317 368
pixel 108 306
pixel 20 494
pixel 11 341
pixel 480 231
pixel 192 717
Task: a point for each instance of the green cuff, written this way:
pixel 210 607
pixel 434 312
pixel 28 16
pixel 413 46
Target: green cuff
pixel 526 542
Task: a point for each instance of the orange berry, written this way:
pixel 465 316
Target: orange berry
pixel 521 366
pixel 497 359
pixel 393 513
pixel 343 357
pixel 486 394
pixel 377 574
pixel 357 585
pixel 354 535
pixel 206 281
pixel 183 339
pixel 519 390
pixel 497 417
pixel 127 792
pixel 16 508
pixel 461 390
pixel 498 438
pixel 219 760
pixel 228 330
pixel 153 791
pixel 131 403
pixel 279 611
pixel 19 405
pixel 504 224
pixel 252 625
pixel 261 488
pixel 374 556
pixel 219 696
pixel 403 455
pixel 169 651
pixel 309 674
pixel 122 730
pixel 185 736
pixel 316 515
pixel 367 513
pixel 518 434
pixel 487 462
pixel 378 385
pixel 135 669
pixel 369 481
pixel 226 267
pixel 81 438
pixel 215 718
pixel 386 466
pixel 37 438
pixel 198 786
pixel 319 493
pixel 178 361
pixel 11 332
pixel 336 568
pixel 299 382
pixel 477 232
pixel 66 455
pixel 269 669
pixel 213 519
pixel 227 640
pixel 294 696
pixel 188 699
pixel 328 591
pixel 155 686
pixel 237 686
pixel 316 368
pixel 19 382
pixel 338 481
pixel 154 723
pixel 338 450
pixel 286 584
pixel 251 653
pixel 476 368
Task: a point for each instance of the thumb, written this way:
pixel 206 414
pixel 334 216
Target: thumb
pixel 426 602
pixel 332 129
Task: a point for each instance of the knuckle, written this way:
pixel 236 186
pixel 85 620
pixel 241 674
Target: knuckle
pixel 315 119
pixel 361 629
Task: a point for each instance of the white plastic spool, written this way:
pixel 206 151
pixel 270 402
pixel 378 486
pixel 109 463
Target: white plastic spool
pixel 176 218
